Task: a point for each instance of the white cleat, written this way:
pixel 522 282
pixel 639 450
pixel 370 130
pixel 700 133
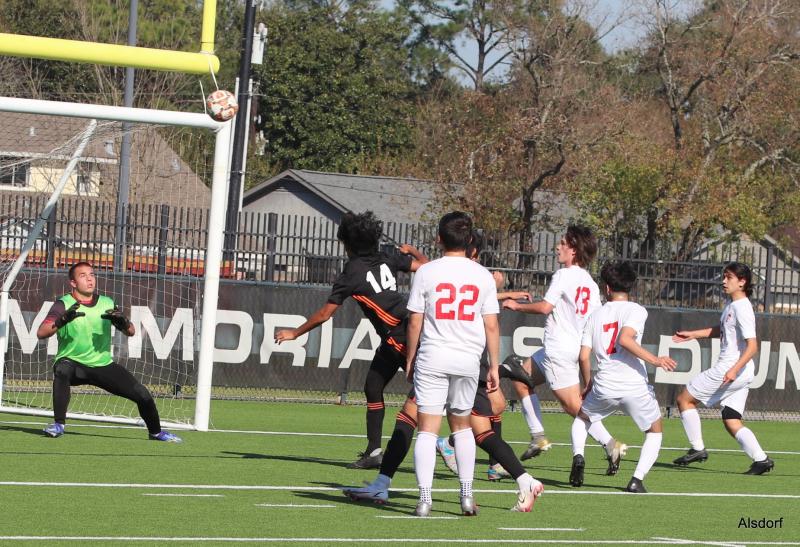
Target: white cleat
pixel 370 492
pixel 526 499
pixel 614 451
pixel 423 509
pixel 468 506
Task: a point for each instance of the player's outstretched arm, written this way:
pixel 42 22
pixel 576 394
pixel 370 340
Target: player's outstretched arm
pixel 627 340
pixel 317 318
pixel 418 258
pixel 542 307
pixel 686 335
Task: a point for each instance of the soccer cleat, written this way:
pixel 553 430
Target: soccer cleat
pixel 576 473
pixel 447 453
pixel 365 461
pixel 370 491
pixel 614 452
pixel 496 473
pixel 512 368
pixel 636 486
pixel 423 509
pixel 537 446
pixel 526 499
pixel 759 468
pixel 54 430
pixel 468 506
pixel 691 456
pixel 166 437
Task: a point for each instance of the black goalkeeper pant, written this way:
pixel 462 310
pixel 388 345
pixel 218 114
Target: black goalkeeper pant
pixel 113 378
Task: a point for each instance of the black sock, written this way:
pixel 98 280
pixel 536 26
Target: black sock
pixel 375 412
pixel 399 444
pixel 498 449
pixel 497 428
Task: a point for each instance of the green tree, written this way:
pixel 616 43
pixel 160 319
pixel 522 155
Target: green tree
pixel 335 86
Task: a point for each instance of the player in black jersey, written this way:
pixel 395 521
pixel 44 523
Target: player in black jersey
pixel 485 420
pixel 369 276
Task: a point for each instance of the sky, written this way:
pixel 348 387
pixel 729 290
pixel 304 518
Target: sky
pixel 624 15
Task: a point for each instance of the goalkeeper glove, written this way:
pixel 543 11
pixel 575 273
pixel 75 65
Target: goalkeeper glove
pixel 117 319
pixel 69 315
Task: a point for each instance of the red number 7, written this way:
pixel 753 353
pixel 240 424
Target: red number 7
pixel 612 347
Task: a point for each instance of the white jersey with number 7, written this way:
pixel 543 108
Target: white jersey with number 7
pixel 454 293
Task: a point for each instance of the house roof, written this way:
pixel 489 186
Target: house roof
pixel 401 200
pixel 158 174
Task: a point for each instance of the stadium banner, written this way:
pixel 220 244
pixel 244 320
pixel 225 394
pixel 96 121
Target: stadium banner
pixel 335 357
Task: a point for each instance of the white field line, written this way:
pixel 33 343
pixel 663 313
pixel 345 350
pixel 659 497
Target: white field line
pixel 333 489
pixel 543 529
pixel 295 505
pixel 414 517
pixel 361 436
pixel 375 541
pixel 187 495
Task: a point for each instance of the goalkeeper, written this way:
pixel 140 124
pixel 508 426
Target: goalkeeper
pixel 82 322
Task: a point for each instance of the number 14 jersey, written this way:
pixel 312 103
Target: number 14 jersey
pixel 372 282
pixel 454 293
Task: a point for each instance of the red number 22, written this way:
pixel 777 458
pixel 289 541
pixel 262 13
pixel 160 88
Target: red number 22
pixel 446 301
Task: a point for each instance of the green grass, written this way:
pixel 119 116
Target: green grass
pixel 309 466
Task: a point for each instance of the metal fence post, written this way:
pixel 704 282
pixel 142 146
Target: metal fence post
pixel 768 279
pixel 163 228
pixel 51 237
pixel 272 236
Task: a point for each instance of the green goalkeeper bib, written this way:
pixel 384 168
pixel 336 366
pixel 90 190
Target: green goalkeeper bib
pixel 86 340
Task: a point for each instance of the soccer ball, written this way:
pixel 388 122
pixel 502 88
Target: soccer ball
pixel 222 105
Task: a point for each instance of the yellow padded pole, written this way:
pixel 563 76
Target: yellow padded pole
pixel 207 30
pixel 19 45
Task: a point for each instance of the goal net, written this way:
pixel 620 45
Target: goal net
pixel 61 203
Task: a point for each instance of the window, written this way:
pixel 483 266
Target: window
pixel 84 184
pixel 14 172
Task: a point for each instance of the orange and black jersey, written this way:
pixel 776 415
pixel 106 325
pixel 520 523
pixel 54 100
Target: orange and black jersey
pixel 372 282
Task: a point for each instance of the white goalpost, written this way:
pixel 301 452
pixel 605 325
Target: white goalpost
pixel 167 274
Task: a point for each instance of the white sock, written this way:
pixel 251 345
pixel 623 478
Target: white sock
pixel 649 455
pixel 382 481
pixel 425 460
pixel 375 452
pixel 465 455
pixel 693 428
pixel 599 433
pixel 747 440
pixel 524 482
pixel 532 412
pixel 580 430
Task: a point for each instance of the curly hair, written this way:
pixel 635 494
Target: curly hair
pixel 618 275
pixel 360 233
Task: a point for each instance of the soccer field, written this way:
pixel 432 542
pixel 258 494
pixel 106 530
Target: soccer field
pixel 271 472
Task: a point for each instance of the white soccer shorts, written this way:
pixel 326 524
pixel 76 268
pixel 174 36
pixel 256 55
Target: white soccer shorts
pixel 707 387
pixel 439 391
pixel 559 370
pixel 642 407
